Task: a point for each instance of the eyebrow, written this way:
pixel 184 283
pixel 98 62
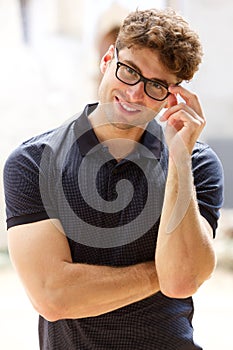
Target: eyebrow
pixel 164 82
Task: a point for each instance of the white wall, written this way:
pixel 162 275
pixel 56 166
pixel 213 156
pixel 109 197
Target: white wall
pixel 213 20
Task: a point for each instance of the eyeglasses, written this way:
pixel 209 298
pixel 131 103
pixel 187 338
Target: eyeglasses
pixel 153 88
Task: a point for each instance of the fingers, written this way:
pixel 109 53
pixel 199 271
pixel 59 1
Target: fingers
pixel 181 111
pixel 190 108
pixel 190 98
pixel 185 120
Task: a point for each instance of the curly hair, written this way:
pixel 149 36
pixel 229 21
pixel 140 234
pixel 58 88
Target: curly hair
pixel 169 34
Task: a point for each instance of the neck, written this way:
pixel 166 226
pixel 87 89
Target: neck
pixel 106 131
pixel 120 139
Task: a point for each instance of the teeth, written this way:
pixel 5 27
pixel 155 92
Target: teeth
pixel 127 108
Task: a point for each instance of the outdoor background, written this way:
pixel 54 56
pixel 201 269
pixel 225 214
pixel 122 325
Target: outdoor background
pixel 49 55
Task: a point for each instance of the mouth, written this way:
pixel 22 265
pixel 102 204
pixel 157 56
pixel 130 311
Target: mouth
pixel 131 114
pixel 128 107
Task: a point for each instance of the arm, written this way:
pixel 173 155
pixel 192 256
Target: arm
pixel 185 256
pixel 61 289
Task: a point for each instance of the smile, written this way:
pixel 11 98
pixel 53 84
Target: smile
pixel 127 108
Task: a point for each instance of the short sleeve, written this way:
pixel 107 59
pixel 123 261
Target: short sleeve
pixel 22 186
pixel 209 182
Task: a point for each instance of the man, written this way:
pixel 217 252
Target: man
pixel 110 219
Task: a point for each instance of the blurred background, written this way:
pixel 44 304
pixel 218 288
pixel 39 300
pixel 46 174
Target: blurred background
pixel 49 57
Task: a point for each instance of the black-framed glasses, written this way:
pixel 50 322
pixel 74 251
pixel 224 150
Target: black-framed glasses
pixel 153 88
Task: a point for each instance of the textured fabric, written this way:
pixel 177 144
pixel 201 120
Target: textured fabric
pixel 67 174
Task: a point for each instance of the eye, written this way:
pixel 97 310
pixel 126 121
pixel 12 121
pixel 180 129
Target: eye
pixel 156 86
pixel 131 72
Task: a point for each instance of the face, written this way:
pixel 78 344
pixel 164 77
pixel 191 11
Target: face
pixel 127 106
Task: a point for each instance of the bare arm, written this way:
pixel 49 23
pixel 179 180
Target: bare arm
pixel 59 288
pixel 185 256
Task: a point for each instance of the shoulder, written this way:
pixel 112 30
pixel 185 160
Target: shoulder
pixel 207 167
pixel 32 150
pixel 204 156
pixel 202 148
pixel 209 182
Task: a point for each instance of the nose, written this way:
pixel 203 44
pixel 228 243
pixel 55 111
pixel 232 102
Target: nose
pixel 136 92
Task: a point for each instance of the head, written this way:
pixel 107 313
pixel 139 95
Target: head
pixel 160 46
pixel 168 34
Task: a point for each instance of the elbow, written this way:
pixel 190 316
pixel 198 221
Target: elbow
pixel 49 305
pixel 181 284
pixel 48 310
pixel 50 314
pixel 179 289
pixel 53 305
pixel 177 285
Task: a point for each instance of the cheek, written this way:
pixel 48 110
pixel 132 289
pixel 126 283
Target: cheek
pixel 108 81
pixel 101 91
pixel 105 87
pixel 158 106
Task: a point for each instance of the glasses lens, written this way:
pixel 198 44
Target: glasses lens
pixel 156 90
pixel 127 75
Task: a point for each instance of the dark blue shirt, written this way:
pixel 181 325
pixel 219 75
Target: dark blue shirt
pixel 110 212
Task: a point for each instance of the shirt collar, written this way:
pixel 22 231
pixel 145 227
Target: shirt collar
pixel 152 139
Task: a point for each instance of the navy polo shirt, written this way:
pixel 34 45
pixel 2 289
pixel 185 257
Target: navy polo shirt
pixel 110 213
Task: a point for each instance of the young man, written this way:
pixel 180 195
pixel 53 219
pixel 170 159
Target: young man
pixel 110 219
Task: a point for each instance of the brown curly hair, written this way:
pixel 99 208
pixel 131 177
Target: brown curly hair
pixel 169 34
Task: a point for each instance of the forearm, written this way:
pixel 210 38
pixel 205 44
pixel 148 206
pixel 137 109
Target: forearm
pixel 81 290
pixel 59 288
pixel 184 254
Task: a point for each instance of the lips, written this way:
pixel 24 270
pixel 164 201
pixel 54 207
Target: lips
pixel 128 107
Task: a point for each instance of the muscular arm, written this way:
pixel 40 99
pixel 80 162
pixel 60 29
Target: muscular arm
pixel 185 256
pixel 185 238
pixel 59 288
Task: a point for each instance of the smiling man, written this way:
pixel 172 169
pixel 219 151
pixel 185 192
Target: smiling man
pixel 111 217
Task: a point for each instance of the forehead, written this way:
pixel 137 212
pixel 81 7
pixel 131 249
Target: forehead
pixel 147 62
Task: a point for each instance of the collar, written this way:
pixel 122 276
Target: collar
pixel 152 138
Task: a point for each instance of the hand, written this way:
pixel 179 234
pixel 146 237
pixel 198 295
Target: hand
pixel 185 121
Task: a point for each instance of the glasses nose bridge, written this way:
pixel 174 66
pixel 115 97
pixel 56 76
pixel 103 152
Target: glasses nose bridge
pixel 144 80
pixel 141 78
pixel 136 90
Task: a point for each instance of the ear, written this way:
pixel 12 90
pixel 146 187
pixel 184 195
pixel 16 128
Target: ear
pixel 106 59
